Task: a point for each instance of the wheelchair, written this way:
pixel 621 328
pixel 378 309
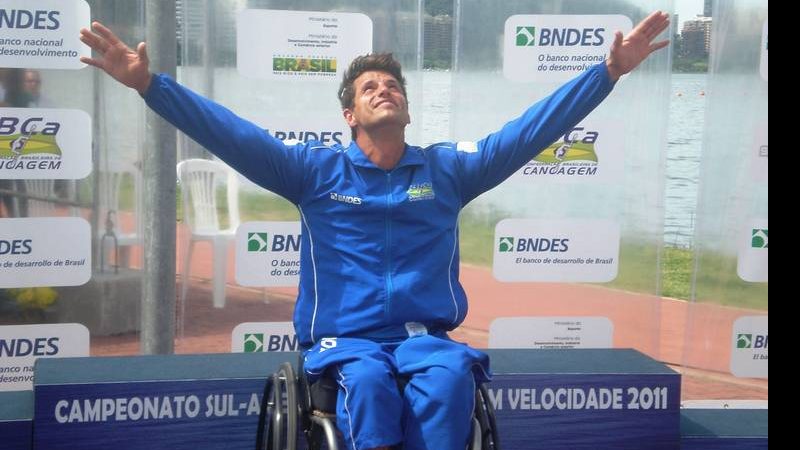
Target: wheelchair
pixel 290 404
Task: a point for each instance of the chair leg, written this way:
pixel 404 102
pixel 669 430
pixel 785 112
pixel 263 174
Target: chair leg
pixel 220 271
pixel 187 262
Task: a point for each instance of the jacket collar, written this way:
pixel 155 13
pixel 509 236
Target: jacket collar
pixel 412 156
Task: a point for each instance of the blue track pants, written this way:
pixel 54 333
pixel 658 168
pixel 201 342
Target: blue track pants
pixel 432 413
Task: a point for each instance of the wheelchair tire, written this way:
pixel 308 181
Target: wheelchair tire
pixel 484 413
pixel 284 416
pixel 264 430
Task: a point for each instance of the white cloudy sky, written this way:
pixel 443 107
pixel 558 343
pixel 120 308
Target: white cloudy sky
pixel 687 9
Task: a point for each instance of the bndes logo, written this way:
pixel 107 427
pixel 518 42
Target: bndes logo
pixel 22 19
pixel 15 247
pixel 261 242
pixel 351 199
pixel 760 238
pixel 532 245
pixel 749 340
pixel 571 37
pixel 258 342
pixel 29 347
pixel 325 137
pixel 257 242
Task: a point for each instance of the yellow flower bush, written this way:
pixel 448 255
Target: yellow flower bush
pixel 34 297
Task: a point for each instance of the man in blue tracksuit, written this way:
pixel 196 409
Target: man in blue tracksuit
pixel 379 284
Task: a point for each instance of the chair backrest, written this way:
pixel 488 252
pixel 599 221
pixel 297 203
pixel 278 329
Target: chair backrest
pixel 43 188
pixel 112 181
pixel 199 180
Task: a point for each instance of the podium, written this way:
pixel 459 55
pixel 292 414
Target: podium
pixel 550 399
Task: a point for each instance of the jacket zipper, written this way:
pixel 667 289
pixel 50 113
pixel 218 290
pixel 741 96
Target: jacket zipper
pixel 388 275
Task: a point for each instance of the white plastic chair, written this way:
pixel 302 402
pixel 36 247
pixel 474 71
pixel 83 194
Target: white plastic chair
pixel 43 188
pixel 199 180
pixel 110 184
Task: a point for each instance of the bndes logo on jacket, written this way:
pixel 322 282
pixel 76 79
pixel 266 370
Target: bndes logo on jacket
pixel 294 136
pixel 350 199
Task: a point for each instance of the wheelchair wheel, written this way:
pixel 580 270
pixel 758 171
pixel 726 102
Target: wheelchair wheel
pixel 264 431
pixel 484 414
pixel 284 409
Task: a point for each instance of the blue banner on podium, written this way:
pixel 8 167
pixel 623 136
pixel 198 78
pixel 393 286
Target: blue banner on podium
pixel 208 414
pixel 173 402
pixel 612 399
pixel 584 399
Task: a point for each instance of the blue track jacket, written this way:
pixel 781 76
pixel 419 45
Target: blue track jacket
pixel 379 248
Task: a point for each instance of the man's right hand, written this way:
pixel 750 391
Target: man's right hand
pixel 125 65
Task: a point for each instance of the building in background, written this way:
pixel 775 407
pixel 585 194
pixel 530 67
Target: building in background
pixel 696 37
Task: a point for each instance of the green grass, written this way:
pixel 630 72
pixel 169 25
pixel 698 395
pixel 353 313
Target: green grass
pixel 253 206
pixel 262 206
pixel 718 282
pixel 676 272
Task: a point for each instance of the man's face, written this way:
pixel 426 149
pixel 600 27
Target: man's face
pixel 378 101
pixel 32 83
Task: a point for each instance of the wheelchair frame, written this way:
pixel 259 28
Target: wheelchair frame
pixel 279 419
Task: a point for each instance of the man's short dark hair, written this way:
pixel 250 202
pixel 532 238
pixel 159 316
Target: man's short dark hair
pixel 382 62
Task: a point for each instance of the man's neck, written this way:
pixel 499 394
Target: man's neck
pixel 384 146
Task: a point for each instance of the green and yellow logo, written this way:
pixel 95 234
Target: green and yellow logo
pixel 744 340
pixel 297 65
pixel 567 151
pixel 526 36
pixel 257 242
pixel 253 342
pixel 759 238
pixel 506 244
pixel 422 191
pixel 15 145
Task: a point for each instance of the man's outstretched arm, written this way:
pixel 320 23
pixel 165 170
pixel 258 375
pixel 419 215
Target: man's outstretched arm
pixel 129 67
pixel 243 145
pixel 503 152
pixel 626 53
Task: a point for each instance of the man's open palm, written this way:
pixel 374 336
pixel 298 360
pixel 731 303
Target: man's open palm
pixel 626 53
pixel 125 65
